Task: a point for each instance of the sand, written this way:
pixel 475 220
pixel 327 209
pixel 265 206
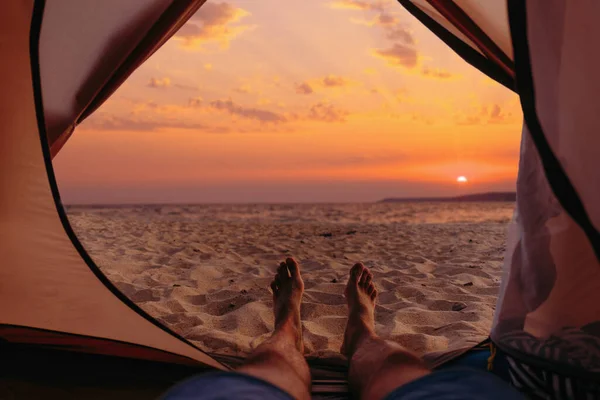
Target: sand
pixel 205 270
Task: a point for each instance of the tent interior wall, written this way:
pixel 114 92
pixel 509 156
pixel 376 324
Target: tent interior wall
pixel 67 331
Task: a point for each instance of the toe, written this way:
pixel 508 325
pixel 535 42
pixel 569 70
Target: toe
pixel 282 272
pixel 374 294
pixel 274 288
pixel 356 272
pixel 363 278
pixel 370 289
pixel 294 267
pixel 368 279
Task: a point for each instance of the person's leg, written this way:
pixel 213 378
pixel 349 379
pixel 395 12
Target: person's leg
pixel 276 369
pixel 377 366
pixel 279 360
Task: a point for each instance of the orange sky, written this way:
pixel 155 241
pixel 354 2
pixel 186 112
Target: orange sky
pixel 341 100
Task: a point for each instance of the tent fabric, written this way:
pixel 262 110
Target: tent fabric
pixel 89 48
pixel 439 18
pixel 548 311
pixel 560 95
pixel 476 31
pixel 551 279
pixel 87 344
pixel 491 17
pixel 551 283
pixel 48 282
pixel 484 28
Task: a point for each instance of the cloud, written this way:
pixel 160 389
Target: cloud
pixel 247 112
pixel 399 56
pixel 159 83
pixel 185 87
pixel 334 81
pixel 386 20
pixel 243 89
pixel 212 23
pixel 140 107
pixel 163 83
pixel 218 14
pixel 437 73
pixel 109 122
pixel 468 120
pixel 401 34
pixel 326 112
pixel 321 111
pixel 390 25
pixel 393 30
pixel 342 160
pixel 327 82
pixel 402 51
pixel 421 118
pixel 485 115
pixel 196 102
pixel 304 88
pixel 499 116
pixel 367 5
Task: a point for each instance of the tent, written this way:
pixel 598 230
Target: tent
pixel 67 331
pixel 548 313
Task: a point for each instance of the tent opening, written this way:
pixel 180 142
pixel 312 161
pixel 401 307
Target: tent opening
pixel 246 139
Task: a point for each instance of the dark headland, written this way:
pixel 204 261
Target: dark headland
pixel 478 197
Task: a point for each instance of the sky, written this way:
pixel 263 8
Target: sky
pixel 311 101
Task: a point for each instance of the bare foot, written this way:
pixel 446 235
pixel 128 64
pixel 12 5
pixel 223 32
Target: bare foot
pixel 287 289
pixel 360 295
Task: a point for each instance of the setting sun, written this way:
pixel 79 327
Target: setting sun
pixel 461 179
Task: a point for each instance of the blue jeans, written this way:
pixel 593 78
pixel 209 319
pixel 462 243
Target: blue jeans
pixel 445 384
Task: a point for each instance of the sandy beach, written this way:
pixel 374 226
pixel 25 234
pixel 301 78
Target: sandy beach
pixel 204 270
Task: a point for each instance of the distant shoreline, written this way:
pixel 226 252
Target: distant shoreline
pixel 478 197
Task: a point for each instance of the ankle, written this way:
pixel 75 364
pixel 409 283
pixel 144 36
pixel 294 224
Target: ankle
pixel 356 336
pixel 362 320
pixel 288 327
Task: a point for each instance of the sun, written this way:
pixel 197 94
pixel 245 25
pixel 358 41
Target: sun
pixel 462 179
